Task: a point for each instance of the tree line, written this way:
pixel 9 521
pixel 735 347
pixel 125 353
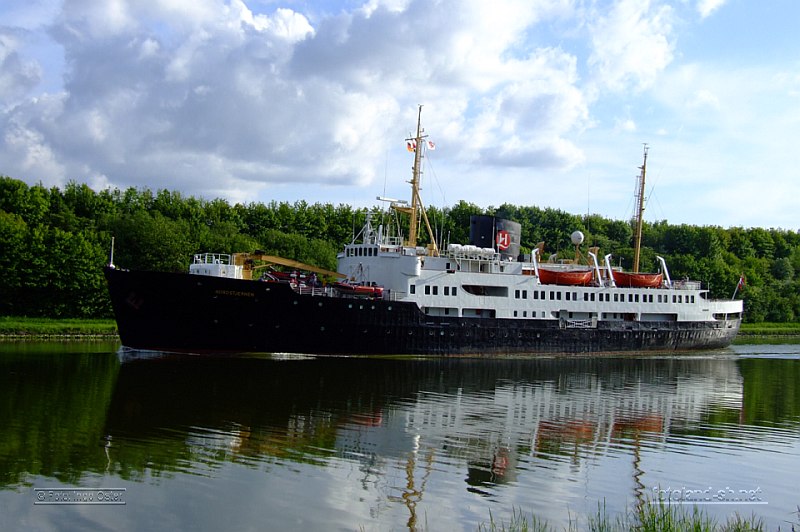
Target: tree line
pixel 55 242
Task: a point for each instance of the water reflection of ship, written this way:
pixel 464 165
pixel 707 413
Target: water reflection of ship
pixel 484 416
pixel 569 418
pixel 487 414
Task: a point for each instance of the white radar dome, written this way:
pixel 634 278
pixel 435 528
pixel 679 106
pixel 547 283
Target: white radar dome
pixel 577 238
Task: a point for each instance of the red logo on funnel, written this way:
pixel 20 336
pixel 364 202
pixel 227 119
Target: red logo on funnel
pixel 503 240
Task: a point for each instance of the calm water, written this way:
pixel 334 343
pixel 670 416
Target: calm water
pixel 288 443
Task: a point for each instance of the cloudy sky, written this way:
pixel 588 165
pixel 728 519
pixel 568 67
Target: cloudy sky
pixel 529 102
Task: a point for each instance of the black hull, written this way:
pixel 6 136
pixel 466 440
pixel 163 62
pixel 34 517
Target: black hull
pixel 194 313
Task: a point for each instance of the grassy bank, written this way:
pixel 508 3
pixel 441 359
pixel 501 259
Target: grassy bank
pixel 18 327
pixel 770 329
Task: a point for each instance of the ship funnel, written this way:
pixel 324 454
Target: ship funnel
pixel 497 233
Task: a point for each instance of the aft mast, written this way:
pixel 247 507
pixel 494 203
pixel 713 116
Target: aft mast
pixel 639 212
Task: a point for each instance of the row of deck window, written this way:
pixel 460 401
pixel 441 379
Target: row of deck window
pixel 556 295
pixel 525 314
pixel 604 296
pixel 361 251
pixel 433 290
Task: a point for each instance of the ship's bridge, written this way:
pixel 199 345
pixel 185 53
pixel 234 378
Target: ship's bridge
pixel 216 265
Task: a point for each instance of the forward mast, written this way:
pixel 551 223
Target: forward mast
pixel 417 210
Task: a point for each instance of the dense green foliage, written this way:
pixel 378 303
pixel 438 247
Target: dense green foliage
pixel 54 243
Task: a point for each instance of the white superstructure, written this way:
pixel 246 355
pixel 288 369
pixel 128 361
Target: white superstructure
pixel 466 281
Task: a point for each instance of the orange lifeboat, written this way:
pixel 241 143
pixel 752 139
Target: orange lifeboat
pixel 638 280
pixel 359 289
pixel 569 277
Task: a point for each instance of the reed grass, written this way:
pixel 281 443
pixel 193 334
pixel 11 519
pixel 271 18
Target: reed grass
pixel 647 517
pixel 32 328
